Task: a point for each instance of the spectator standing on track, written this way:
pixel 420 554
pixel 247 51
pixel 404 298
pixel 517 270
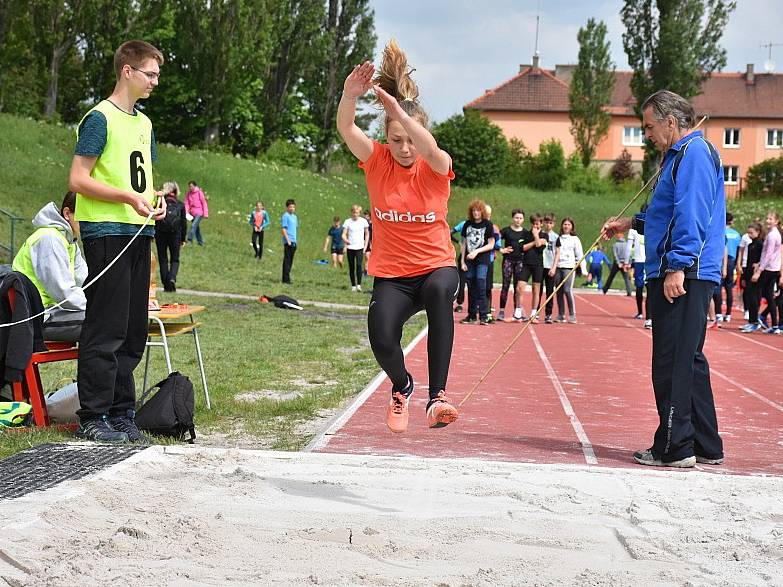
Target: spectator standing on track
pixel 170 236
pixel 733 240
pixel 621 264
pixel 513 237
pixel 637 257
pixel 335 236
pixel 478 240
pixel 456 238
pixel 535 241
pixel 596 259
pixel 356 234
pixel 289 227
pixel 491 268
pixel 549 263
pixel 259 221
pixel 752 258
pixel 767 273
pixel 197 207
pixel 684 240
pixel 409 183
pixel 568 251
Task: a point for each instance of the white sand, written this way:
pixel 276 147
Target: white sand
pixel 196 516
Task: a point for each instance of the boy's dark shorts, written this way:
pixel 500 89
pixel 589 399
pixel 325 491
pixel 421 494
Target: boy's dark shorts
pixel 536 272
pixel 338 250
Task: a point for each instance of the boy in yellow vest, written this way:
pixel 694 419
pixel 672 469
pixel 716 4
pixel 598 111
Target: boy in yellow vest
pixel 51 259
pixel 112 175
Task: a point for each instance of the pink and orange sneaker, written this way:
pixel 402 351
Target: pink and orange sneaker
pixel 440 412
pixel 397 412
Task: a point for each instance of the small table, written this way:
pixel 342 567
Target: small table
pixel 170 321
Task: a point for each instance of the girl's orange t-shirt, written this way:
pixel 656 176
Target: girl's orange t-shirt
pixel 409 205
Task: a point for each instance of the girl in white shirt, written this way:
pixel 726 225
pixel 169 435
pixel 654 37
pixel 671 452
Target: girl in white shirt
pixel 568 250
pixel 355 236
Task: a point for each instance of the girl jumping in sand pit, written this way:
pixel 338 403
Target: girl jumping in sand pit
pixel 408 181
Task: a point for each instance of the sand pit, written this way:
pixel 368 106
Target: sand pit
pixel 196 516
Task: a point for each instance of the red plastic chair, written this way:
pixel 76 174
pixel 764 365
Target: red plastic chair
pixel 30 389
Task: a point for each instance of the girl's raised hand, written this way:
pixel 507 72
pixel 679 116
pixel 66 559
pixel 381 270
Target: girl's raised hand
pixel 359 81
pixel 393 109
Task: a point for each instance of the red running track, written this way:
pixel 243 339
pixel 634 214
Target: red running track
pixel 578 394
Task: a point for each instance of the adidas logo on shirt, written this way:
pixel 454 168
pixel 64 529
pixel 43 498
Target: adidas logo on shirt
pixel 394 216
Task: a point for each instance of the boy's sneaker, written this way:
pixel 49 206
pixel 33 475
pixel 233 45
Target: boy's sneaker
pixel 648 324
pixel 548 320
pixel 457 308
pixel 99 430
pixel 127 424
pixel 468 320
pixel 750 328
pixel 705 461
pixel 440 412
pixel 645 457
pixel 638 317
pixel 502 316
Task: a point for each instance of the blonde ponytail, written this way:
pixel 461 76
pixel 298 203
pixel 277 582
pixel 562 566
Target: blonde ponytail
pixel 394 77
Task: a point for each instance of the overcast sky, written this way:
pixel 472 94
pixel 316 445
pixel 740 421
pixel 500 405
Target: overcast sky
pixel 462 47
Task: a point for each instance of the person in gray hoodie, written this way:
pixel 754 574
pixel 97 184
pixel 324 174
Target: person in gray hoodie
pixel 51 259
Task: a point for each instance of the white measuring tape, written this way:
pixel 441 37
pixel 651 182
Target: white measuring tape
pixel 96 278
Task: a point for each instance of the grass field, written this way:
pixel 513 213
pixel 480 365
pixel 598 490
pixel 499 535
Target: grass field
pixel 322 357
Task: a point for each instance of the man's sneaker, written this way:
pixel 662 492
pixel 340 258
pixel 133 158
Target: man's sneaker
pixel 705 461
pixel 397 412
pixel 457 308
pixel 127 424
pixel 502 316
pixel 648 324
pixel 645 457
pixel 468 320
pixel 440 412
pixel 548 320
pixel 99 430
pixel 638 317
pixel 750 328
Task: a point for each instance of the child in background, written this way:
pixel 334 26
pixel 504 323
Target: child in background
pixel 478 240
pixel 355 235
pixel 491 268
pixel 535 242
pixel 549 259
pixel 513 259
pixel 596 259
pixel 258 220
pixel 456 238
pixel 620 264
pixel 568 250
pixel 335 234
pixel 289 227
pixel 635 253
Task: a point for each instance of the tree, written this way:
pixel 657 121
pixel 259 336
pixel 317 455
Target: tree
pixel 766 178
pixel 673 45
pixel 347 38
pixel 479 151
pixel 591 90
pixel 547 170
pixel 622 170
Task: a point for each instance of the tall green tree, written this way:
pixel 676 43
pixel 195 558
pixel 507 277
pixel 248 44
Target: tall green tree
pixel 591 90
pixel 673 45
pixel 347 38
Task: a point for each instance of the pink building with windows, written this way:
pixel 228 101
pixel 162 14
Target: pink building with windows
pixel 745 113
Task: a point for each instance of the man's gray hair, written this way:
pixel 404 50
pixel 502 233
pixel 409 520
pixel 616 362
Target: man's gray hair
pixel 665 103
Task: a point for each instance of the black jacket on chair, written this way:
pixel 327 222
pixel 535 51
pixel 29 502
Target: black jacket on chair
pixel 18 343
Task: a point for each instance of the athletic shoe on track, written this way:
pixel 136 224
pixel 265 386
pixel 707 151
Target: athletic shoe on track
pixel 560 319
pixel 502 316
pixel 486 320
pixel 645 457
pixel 440 412
pixel 548 320
pixel 750 328
pixel 638 317
pixel 457 308
pixel 397 412
pixel 705 461
pixel 648 324
pixel 572 320
pixel 468 320
pixel 713 325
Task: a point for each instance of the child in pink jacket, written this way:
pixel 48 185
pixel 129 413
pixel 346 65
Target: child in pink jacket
pixel 196 206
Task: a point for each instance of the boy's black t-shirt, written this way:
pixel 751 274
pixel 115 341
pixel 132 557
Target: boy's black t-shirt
pixel 534 256
pixel 476 235
pixel 514 239
pixel 754 252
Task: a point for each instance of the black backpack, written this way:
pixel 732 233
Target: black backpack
pixel 170 411
pixel 171 221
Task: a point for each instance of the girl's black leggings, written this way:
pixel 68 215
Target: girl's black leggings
pixel 394 301
pixel 355 259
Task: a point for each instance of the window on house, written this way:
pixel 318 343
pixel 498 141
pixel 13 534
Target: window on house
pixel 774 138
pixel 730 174
pixel 633 136
pixel 731 137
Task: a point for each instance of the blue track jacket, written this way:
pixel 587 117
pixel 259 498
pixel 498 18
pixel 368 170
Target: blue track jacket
pixel 685 222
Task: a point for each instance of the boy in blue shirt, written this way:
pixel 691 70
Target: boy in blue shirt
pixel 733 239
pixel 595 260
pixel 289 223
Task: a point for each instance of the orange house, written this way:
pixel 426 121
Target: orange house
pixel 745 116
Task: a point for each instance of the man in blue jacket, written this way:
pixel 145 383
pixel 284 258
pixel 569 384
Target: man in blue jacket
pixel 684 240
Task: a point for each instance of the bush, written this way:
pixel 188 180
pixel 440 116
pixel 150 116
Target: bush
pixel 478 149
pixel 547 170
pixel 622 170
pixel 285 153
pixel 766 178
pixel 517 160
pixel 584 180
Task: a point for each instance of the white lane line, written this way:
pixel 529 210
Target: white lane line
pixel 726 378
pixel 750 338
pixel 587 447
pixel 322 439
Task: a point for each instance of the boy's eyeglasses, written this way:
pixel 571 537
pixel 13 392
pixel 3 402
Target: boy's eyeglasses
pixel 151 75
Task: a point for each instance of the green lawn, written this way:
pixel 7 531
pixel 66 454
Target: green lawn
pixel 321 356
